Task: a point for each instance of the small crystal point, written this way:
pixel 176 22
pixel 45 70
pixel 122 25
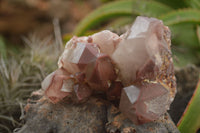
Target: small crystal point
pixel 54 90
pixel 75 58
pixel 141 27
pixel 132 92
pixel 128 98
pixel 142 106
pixel 47 81
pixel 57 85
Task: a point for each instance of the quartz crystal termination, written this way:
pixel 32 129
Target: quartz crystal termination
pixel 150 70
pixel 135 68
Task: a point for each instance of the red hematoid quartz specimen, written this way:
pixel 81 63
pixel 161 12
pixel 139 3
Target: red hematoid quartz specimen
pixel 136 68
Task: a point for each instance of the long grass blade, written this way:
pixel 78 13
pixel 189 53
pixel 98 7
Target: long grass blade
pixel 181 16
pixel 9 119
pixel 6 128
pixel 193 3
pixel 198 33
pixel 121 8
pixel 190 121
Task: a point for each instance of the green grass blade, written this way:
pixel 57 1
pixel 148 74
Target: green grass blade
pixel 174 3
pixel 198 33
pixel 190 121
pixel 149 8
pixel 181 16
pixel 121 21
pixel 113 9
pixel 121 8
pixel 193 3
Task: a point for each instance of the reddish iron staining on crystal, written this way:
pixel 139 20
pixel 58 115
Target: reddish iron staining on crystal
pixel 82 91
pixel 58 85
pixel 114 91
pixel 136 68
pixel 102 73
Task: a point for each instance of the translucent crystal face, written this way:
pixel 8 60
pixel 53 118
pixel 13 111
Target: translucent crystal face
pixel 132 93
pixel 55 85
pixel 135 68
pixel 75 58
pixel 140 27
pixel 129 57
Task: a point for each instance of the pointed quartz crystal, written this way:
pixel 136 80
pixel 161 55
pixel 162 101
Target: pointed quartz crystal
pixel 150 68
pixel 76 56
pixel 141 44
pixel 58 85
pixel 145 103
pixel 129 96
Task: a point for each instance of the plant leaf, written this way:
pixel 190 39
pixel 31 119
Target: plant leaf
pixel 193 3
pixel 198 33
pixel 174 3
pixel 190 121
pixel 149 8
pixel 119 22
pixel 121 8
pixel 181 16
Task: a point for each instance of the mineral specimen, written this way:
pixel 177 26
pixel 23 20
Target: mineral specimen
pixel 135 68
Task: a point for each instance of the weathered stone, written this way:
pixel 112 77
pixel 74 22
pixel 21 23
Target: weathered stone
pixel 93 116
pixel 118 123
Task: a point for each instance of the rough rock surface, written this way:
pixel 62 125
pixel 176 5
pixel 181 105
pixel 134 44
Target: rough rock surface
pixel 93 116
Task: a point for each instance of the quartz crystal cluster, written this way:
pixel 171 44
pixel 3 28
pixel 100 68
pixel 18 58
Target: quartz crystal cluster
pixel 135 68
